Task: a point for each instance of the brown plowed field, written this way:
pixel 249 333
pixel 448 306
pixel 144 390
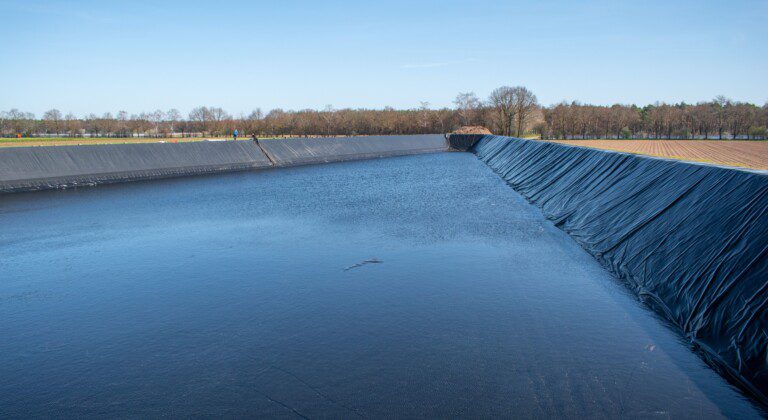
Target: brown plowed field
pixel 748 154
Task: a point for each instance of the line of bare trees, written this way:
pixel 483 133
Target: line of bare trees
pixel 214 121
pixel 512 111
pixel 720 118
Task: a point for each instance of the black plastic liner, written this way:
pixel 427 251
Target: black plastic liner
pixel 463 142
pixel 35 168
pixel 303 151
pixel 690 239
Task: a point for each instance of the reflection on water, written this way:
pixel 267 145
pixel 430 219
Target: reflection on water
pixel 414 286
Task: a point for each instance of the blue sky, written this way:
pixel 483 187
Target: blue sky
pixel 98 56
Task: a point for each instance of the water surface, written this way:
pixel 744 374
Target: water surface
pixel 247 294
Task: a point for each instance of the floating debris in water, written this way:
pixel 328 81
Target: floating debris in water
pixel 360 264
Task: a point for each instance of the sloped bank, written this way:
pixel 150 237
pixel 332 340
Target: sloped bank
pixel 36 168
pixel 304 151
pixel 691 240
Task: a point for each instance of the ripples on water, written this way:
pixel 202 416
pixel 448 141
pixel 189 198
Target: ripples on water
pixel 228 295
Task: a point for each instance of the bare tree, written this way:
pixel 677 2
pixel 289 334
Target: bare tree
pixel 72 125
pixel 52 119
pixel 503 102
pixel 740 116
pixel 92 125
pixel 173 116
pixel 218 120
pixel 5 126
pixel 156 118
pixel 424 117
pixel 624 120
pixel 202 117
pixel 720 104
pixel 108 124
pixel 524 104
pixel 703 119
pixel 329 117
pixel 20 122
pixel 256 114
pixel 252 123
pixel 122 124
pixel 467 105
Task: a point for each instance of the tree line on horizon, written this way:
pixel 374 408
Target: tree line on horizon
pixel 509 111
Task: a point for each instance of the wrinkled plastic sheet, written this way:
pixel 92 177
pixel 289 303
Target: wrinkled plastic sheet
pixel 690 239
pixel 33 168
pixel 301 151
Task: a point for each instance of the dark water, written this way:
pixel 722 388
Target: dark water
pixel 228 295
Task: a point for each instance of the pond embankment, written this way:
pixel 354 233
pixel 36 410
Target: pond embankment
pixel 37 168
pixel 690 239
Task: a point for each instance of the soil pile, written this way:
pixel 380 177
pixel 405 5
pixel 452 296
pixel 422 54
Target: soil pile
pixel 476 129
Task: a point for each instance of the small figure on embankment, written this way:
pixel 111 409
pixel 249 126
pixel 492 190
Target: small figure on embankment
pixel 234 135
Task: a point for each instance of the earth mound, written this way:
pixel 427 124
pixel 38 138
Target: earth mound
pixel 472 130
